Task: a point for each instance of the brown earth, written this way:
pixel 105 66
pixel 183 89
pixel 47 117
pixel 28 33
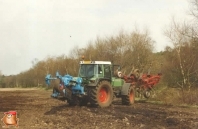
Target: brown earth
pixel 36 109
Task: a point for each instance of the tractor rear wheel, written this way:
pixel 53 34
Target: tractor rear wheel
pixel 130 97
pixel 101 95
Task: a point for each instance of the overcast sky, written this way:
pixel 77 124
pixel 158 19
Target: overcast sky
pixel 32 29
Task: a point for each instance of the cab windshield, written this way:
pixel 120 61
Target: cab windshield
pixel 88 70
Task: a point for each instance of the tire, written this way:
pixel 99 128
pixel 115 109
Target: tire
pixel 129 99
pixel 77 101
pixel 71 99
pixel 101 95
pixel 147 93
pixel 74 101
pixel 84 101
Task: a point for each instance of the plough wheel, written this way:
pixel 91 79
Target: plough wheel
pixel 130 97
pixel 102 94
pixel 147 93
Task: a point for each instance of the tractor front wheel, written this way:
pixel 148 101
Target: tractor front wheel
pixel 102 94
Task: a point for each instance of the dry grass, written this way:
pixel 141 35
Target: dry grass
pixel 175 96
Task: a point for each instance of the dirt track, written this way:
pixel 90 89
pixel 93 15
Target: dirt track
pixel 36 109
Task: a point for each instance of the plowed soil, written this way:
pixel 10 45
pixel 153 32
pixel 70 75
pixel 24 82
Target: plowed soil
pixel 36 109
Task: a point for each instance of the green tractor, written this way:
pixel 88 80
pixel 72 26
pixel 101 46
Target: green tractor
pixel 97 84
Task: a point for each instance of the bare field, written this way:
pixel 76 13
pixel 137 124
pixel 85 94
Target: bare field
pixel 36 109
pixel 17 89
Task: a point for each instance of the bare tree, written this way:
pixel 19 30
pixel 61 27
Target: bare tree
pixel 181 37
pixel 194 13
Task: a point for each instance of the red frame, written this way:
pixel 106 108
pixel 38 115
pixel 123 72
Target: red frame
pixel 145 81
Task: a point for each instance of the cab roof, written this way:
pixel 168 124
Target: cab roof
pixel 95 62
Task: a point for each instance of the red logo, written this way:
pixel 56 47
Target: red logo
pixel 10 119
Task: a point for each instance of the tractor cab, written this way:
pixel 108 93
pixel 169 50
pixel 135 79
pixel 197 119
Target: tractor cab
pixel 95 69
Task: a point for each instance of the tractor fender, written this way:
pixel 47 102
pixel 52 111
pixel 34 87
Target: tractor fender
pixel 125 88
